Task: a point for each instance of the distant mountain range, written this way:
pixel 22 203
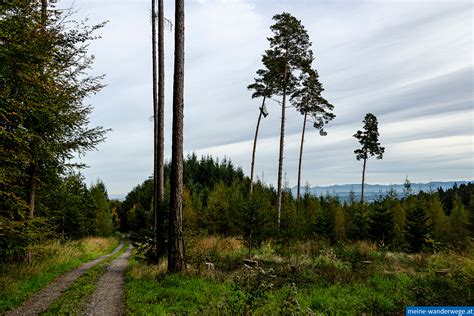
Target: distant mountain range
pixel 373 191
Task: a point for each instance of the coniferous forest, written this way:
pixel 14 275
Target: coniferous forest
pixel 200 236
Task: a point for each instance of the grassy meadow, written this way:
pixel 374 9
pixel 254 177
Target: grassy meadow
pixel 314 278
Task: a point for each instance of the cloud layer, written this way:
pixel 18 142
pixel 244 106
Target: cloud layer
pixel 408 62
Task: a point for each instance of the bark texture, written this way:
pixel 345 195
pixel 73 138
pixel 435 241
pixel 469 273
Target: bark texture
pixel 282 143
pixel 298 195
pixel 176 260
pixel 161 132
pixel 155 123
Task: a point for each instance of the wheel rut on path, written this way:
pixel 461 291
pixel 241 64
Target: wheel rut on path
pixel 40 301
pixel 109 296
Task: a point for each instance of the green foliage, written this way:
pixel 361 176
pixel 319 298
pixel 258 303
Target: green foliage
pixel 417 229
pixel 369 139
pixel 381 226
pixel 459 223
pixel 43 82
pixel 44 123
pixel 101 206
pixel 352 278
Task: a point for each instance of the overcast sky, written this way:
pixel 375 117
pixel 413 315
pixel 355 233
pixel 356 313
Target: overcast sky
pixel 408 62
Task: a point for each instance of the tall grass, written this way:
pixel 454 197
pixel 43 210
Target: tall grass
pixel 49 260
pixel 308 277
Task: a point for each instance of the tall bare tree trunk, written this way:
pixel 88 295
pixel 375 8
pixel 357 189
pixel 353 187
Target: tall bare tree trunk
pixel 156 203
pixel 255 146
pixel 363 180
pixel 176 260
pixel 161 131
pixel 282 144
pixel 158 114
pixel 301 157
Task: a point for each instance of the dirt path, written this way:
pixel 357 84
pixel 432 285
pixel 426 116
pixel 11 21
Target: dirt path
pixel 40 301
pixel 108 299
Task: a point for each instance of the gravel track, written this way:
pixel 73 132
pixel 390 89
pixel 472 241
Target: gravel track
pixel 40 301
pixel 108 299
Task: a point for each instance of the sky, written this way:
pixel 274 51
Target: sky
pixel 408 62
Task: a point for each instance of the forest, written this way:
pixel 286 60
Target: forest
pixel 199 236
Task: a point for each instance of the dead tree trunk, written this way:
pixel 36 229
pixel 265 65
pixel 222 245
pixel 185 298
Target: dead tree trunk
pixel 301 157
pixel 176 260
pixel 255 145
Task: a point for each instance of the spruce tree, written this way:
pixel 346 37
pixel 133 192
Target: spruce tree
pixel 417 228
pixel 43 85
pixel 459 222
pixel 381 225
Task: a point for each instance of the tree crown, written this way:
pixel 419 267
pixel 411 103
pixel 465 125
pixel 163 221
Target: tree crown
pixel 369 139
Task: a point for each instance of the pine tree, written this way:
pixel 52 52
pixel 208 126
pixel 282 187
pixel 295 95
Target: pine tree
pixel 264 88
pixel 308 101
pixel 369 139
pixel 289 52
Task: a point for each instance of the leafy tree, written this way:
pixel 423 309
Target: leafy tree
pixel 176 261
pixel 308 100
pixel 369 139
pixel 417 228
pixel 289 52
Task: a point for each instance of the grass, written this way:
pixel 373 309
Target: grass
pixel 349 279
pixel 74 300
pixel 150 292
pixel 49 260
